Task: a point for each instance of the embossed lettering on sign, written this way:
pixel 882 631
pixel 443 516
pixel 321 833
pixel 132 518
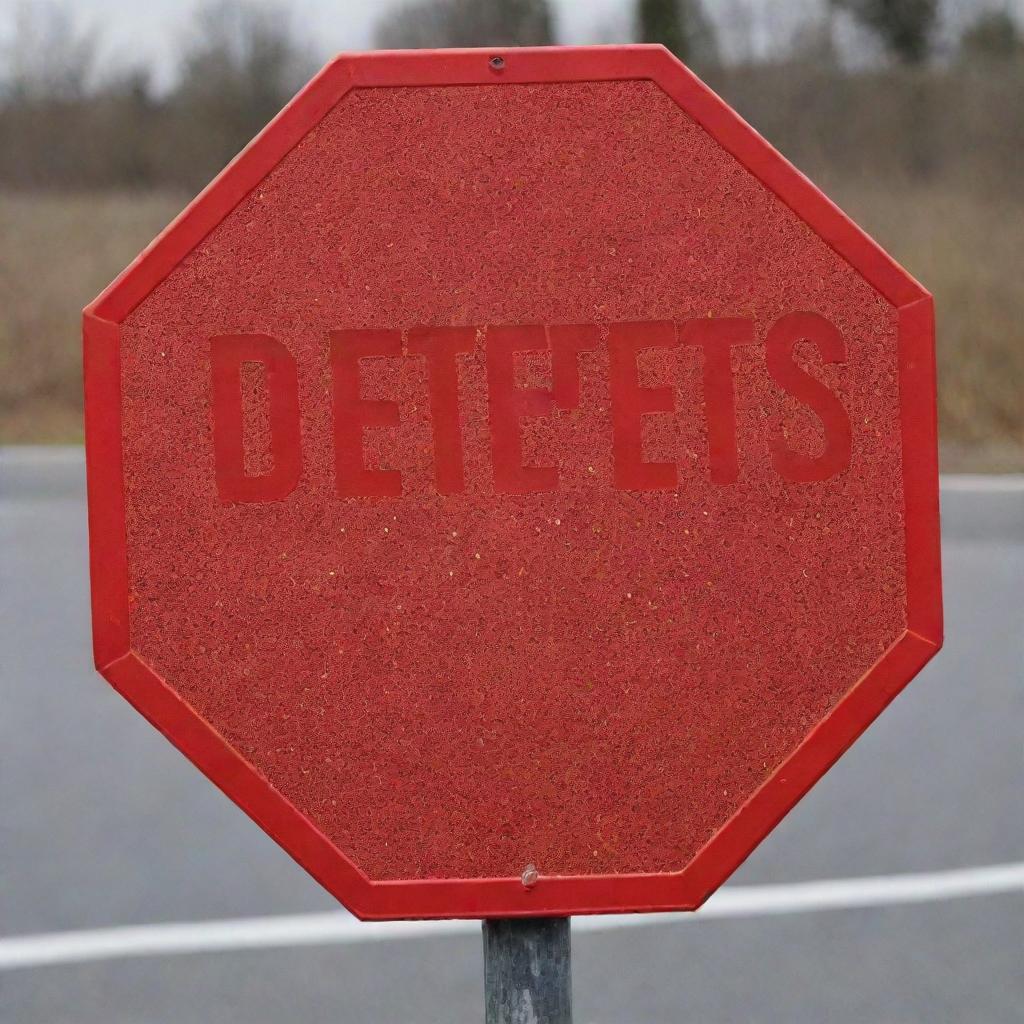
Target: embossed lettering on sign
pixel 228 353
pixel 634 400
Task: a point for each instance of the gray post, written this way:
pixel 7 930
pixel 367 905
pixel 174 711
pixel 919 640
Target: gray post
pixel 527 971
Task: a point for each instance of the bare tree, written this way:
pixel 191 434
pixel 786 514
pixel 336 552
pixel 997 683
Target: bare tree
pixel 680 25
pixel 238 67
pixel 814 42
pixel 436 23
pixel 47 57
pixel 48 81
pixel 905 27
pixel 993 35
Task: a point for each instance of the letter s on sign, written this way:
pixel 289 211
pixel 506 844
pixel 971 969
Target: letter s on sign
pixel 227 354
pixel 786 333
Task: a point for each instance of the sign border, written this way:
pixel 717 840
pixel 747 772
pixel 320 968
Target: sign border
pixel 208 750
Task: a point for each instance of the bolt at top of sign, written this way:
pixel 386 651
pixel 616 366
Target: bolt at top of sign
pixel 514 484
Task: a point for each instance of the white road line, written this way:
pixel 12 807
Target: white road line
pixel 42 454
pixel 338 928
pixel 980 483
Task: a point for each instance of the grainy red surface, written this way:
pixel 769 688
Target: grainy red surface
pixel 591 680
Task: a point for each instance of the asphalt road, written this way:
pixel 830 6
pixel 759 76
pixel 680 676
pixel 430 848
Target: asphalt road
pixel 103 823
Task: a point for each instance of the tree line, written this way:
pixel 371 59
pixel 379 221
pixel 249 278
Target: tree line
pixel 906 29
pixel 68 122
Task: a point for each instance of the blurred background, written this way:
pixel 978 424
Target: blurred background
pixel 909 113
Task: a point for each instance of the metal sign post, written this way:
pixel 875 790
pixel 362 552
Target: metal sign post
pixel 527 970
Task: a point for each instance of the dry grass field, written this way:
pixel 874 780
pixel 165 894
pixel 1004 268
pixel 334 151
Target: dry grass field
pixel 966 248
pixel 57 251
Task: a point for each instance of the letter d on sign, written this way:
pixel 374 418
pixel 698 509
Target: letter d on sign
pixel 227 354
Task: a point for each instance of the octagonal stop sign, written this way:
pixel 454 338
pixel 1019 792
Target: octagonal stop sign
pixel 512 482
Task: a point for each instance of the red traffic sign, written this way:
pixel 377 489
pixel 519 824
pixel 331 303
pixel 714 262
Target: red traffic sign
pixel 512 482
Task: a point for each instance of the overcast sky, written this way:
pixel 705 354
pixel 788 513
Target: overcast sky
pixel 136 31
pixel 133 30
pixel 148 31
